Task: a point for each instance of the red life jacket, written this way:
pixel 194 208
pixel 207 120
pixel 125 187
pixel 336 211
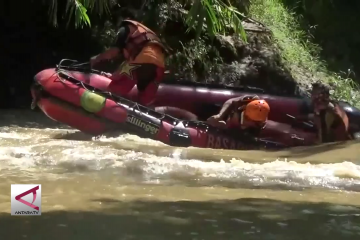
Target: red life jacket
pixel 139 37
pixel 332 124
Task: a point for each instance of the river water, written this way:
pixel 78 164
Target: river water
pixel 126 187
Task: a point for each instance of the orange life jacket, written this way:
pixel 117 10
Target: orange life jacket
pixel 138 38
pixel 332 124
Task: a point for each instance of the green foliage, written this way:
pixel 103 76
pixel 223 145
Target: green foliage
pixel 195 58
pixel 300 55
pixel 333 26
pixel 216 15
pixel 77 9
pixel 104 34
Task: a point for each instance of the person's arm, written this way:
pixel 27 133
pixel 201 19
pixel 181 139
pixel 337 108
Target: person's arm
pixel 233 103
pixel 115 49
pixel 108 54
pixel 228 106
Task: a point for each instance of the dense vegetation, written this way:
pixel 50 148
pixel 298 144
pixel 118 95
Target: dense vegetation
pixel 316 39
pixel 299 31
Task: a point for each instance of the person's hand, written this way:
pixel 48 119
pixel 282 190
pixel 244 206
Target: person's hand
pixel 216 121
pixel 251 97
pixel 213 119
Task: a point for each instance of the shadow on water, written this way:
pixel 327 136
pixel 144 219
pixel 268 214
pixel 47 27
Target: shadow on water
pixel 323 148
pixel 28 119
pixel 247 218
pixel 243 184
pixel 73 136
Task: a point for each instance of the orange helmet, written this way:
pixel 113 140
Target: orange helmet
pixel 257 110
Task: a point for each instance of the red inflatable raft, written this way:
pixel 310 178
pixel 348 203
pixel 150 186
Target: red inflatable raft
pixel 205 100
pixel 81 101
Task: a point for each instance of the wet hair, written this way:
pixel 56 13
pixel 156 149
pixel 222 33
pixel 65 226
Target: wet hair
pixel 321 87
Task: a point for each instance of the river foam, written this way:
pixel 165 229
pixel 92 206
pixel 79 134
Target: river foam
pixel 49 151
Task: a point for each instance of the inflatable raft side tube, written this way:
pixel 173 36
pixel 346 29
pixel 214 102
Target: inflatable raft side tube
pixel 137 120
pixel 157 126
pixel 74 117
pixel 177 112
pixel 91 76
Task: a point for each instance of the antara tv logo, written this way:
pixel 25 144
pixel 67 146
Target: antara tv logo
pixel 25 199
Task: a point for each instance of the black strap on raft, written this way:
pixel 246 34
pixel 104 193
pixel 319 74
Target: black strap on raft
pixel 139 111
pixel 75 66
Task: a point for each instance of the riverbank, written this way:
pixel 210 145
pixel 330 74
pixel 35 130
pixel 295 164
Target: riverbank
pixel 281 61
pixel 279 57
pixel 299 54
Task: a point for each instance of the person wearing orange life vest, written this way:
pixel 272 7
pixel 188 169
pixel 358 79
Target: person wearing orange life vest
pixel 329 118
pixel 144 63
pixel 248 113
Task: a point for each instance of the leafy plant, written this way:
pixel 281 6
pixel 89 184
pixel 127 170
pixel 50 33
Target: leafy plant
pixel 195 58
pixel 300 55
pixel 79 10
pixel 216 15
